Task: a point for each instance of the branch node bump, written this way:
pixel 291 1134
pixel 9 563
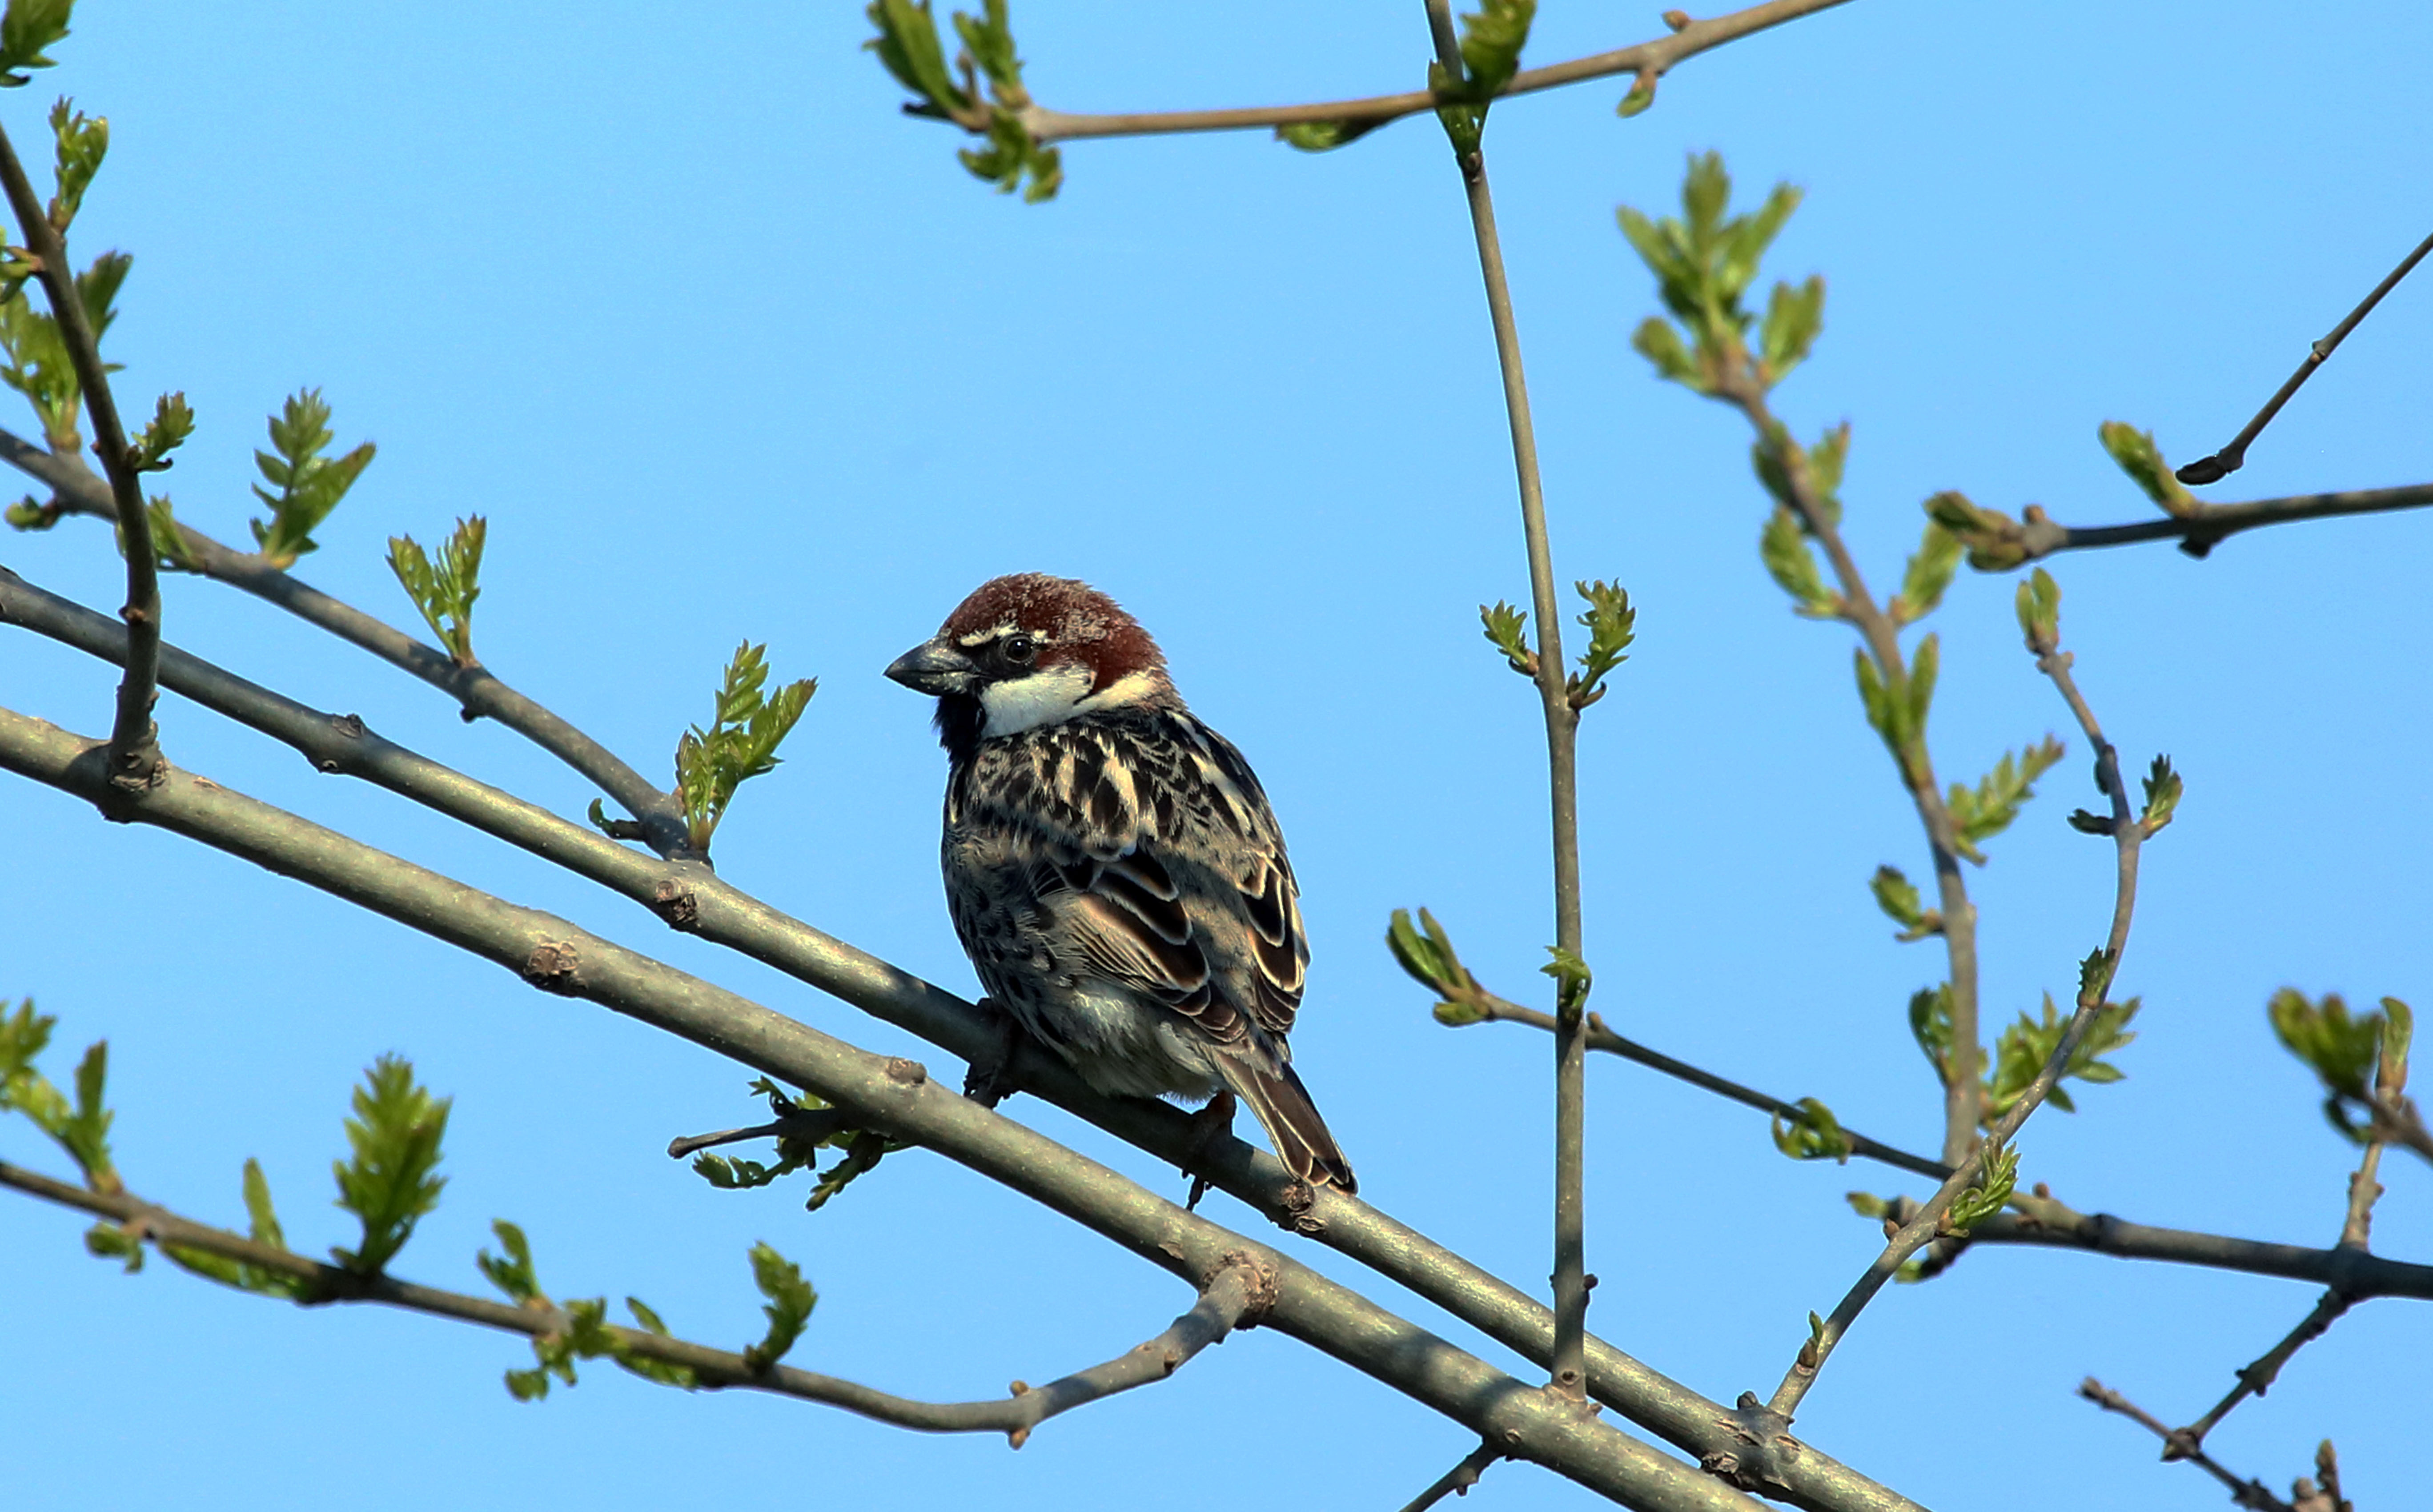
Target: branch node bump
pixel 551 967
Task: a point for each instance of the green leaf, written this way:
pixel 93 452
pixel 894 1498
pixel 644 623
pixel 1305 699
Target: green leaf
pixel 1898 896
pixel 1430 960
pixel 790 1300
pixel 1994 541
pixel 2023 1048
pixel 2094 975
pixel 1783 466
pixel 1705 262
pixel 1659 342
pixel 1794 319
pixel 661 1371
pixel 37 356
pixel 1792 563
pixel 1929 1025
pixel 2163 788
pixel 1886 714
pixel 389 1181
pixel 444 590
pixel 1930 574
pixel 2135 453
pixel 27 28
pixel 82 142
pixel 1324 136
pixel 862 1151
pixel 2398 1033
pixel 511 1271
pixel 2345 1051
pixel 908 45
pixel 1998 1177
pixel 1925 667
pixel 1813 1135
pixel 1609 621
pixel 2039 610
pixel 309 484
pixel 1980 813
pixel 1867 1205
pixel 1507 631
pixel 80 1127
pixel 1572 979
pixel 1491 39
pixel 107 1241
pixel 172 423
pixel 265 1230
pixel 1641 95
pixel 740 744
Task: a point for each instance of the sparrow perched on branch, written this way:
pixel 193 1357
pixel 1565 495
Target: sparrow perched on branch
pixel 1112 866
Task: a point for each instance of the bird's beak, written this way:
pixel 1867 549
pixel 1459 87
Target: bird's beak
pixel 935 666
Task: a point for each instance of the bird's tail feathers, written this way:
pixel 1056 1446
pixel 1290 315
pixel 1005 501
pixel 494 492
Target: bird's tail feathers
pixel 1282 1105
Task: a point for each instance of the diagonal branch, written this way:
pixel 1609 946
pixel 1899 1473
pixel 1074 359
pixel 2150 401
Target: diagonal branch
pixel 690 897
pixel 2230 458
pixel 891 1093
pixel 2243 1493
pixel 1456 1481
pixel 1231 1299
pixel 134 747
pixel 1647 60
pixel 480 694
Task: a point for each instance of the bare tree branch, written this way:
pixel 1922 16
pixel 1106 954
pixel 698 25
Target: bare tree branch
pixel 480 694
pixel 1231 1299
pixel 690 897
pixel 2243 1493
pixel 1456 1481
pixel 893 1095
pixel 134 749
pixel 2044 1222
pixel 2204 527
pixel 2258 1376
pixel 1648 60
pixel 2230 458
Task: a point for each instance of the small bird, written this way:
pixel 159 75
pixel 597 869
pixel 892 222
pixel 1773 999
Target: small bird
pixel 1112 866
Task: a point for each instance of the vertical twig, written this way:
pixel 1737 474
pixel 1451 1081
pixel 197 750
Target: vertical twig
pixel 1569 1360
pixel 134 755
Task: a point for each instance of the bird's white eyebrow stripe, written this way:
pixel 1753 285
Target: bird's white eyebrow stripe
pixel 995 632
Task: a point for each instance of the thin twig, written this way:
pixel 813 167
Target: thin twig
pixel 2048 1223
pixel 1456 1481
pixel 2257 1378
pixel 2207 525
pixel 1570 1367
pixel 1232 1299
pixel 479 694
pixel 2128 834
pixel 893 1093
pixel 811 1124
pixel 1649 59
pixel 2243 1493
pixel 2230 458
pixel 134 747
pixel 1602 1038
pixel 1963 1100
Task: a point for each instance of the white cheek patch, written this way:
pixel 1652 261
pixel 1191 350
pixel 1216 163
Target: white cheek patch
pixel 1045 697
pixel 1129 689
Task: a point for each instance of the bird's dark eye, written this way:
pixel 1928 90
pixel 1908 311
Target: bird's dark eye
pixel 1020 648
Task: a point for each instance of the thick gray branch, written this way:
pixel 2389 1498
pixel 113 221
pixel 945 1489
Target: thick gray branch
pixel 690 897
pixel 895 1094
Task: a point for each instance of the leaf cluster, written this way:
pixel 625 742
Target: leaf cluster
pixel 2038 603
pixel 1981 812
pixel 390 1180
pixel 789 1308
pixel 27 28
pixel 80 142
pixel 583 1335
pixel 1898 896
pixel 1426 953
pixel 262 1225
pixel 78 1124
pixel 740 744
pixel 2360 1058
pixel 1896 707
pixel 909 47
pixel 1573 979
pixel 2163 788
pixel 1998 1177
pixel 1491 39
pixel 171 424
pixel 2135 453
pixel 37 362
pixel 1928 576
pixel 1814 1134
pixel 1705 262
pixel 862 1147
pixel 1507 631
pixel 2024 1047
pixel 445 589
pixel 309 484
pixel 1993 541
pixel 1608 621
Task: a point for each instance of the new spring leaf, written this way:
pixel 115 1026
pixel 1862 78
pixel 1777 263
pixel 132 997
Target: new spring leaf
pixel 445 589
pixel 790 1300
pixel 740 744
pixel 390 1181
pixel 309 484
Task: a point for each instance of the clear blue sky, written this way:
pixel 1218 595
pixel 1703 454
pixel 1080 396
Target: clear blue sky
pixel 726 347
